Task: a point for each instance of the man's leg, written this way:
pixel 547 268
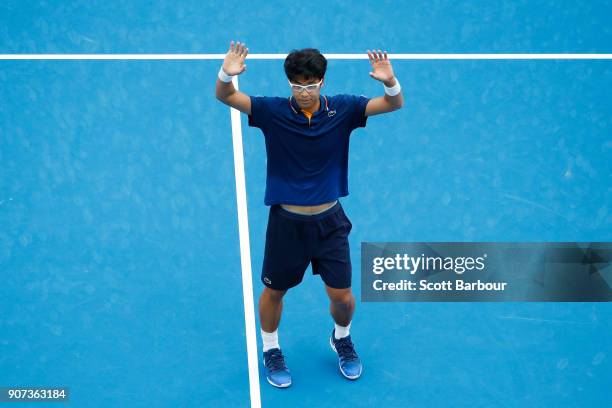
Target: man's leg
pixel 270 308
pixel 342 305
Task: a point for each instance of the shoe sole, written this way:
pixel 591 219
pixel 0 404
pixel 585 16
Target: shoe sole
pixel 285 385
pixel 350 377
pixel 278 385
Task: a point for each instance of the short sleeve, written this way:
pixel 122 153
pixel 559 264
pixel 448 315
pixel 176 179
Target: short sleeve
pixel 357 107
pixel 259 111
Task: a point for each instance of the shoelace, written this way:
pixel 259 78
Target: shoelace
pixel 276 361
pixel 346 349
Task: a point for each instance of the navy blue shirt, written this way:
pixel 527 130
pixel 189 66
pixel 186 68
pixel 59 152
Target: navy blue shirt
pixel 307 158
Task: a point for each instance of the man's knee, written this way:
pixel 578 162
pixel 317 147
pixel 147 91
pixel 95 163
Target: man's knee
pixel 273 294
pixel 340 296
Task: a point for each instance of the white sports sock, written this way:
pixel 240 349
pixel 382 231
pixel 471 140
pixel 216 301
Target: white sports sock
pixel 341 331
pixel 270 340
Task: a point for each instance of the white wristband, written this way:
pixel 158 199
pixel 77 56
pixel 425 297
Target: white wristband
pixel 224 77
pixel 394 90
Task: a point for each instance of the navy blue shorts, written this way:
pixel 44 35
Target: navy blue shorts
pixel 293 241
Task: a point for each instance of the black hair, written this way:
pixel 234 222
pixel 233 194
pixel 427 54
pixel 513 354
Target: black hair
pixel 308 63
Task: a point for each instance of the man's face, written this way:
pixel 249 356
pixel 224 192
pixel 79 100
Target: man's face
pixel 307 99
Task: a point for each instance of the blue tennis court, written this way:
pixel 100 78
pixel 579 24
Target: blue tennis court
pixel 120 253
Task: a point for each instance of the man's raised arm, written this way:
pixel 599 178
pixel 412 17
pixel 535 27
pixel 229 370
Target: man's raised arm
pixel 233 64
pixel 383 72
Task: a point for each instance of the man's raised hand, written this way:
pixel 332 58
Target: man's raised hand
pixel 381 66
pixel 233 64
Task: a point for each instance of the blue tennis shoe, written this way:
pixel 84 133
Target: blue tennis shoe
pixel 277 372
pixel 350 365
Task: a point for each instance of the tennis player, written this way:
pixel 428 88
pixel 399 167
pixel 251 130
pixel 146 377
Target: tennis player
pixel 307 145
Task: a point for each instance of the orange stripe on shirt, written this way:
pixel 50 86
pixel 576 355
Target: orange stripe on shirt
pixel 308 114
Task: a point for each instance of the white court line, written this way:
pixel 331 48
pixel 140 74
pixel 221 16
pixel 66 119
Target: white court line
pixel 245 256
pixel 328 56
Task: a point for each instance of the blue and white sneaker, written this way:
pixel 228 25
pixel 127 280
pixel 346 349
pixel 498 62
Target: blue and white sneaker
pixel 277 372
pixel 350 365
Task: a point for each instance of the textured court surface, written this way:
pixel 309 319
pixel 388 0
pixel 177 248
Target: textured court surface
pixel 119 252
